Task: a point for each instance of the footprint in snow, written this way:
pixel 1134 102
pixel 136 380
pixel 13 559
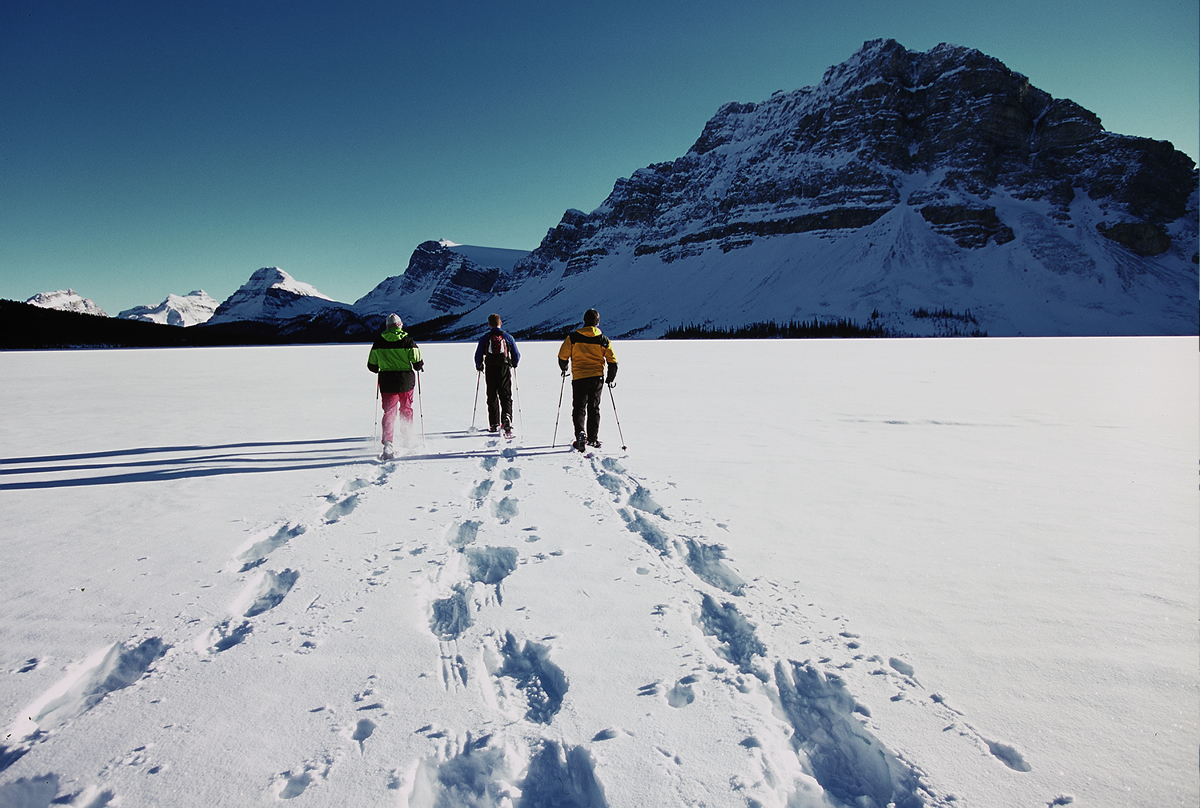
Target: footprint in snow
pixel 463 533
pixel 363 730
pixel 265 592
pixel 528 664
pixel 611 483
pixel 846 759
pixel 682 694
pixel 112 668
pixel 342 508
pixel 451 616
pixel 613 465
pixel 292 784
pixel 641 499
pixel 1008 755
pixel 349 487
pixel 223 636
pixel 505 510
pixel 490 565
pixel 265 542
pixel 488 771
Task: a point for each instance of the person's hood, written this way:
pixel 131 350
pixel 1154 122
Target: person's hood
pixel 393 334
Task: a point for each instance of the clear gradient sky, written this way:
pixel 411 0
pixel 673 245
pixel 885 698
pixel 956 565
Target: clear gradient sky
pixel 149 147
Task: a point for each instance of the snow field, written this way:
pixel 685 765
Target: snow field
pixel 273 615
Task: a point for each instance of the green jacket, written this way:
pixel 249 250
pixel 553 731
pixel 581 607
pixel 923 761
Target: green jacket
pixel 394 356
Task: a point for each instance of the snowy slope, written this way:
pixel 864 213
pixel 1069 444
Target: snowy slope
pixel 1051 280
pixel 66 300
pixel 935 572
pixel 182 310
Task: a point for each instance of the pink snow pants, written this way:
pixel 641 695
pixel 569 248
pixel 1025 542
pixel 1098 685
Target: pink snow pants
pixel 391 403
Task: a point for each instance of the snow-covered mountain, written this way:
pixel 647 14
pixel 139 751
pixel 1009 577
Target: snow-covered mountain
pixel 66 300
pixel 272 295
pixel 190 309
pixel 911 190
pixel 441 278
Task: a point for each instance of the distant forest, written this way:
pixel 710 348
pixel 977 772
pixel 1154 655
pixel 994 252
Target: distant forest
pixel 793 329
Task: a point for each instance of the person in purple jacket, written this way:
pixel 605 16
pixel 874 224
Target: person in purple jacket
pixel 496 357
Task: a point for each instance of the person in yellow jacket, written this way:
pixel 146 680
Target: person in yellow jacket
pixel 586 352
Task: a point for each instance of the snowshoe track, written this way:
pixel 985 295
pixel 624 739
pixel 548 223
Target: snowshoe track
pixel 738 661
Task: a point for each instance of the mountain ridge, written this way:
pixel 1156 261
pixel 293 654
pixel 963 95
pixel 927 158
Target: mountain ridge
pixel 902 183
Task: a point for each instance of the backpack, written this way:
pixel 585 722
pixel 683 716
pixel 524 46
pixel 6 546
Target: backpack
pixel 497 346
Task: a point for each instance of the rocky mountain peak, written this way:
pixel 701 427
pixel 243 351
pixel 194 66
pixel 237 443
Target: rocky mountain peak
pixel 932 170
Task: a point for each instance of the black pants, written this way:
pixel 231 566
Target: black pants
pixel 585 405
pixel 499 393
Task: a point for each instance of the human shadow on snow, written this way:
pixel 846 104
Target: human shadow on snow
pixel 149 450
pixel 166 463
pixel 163 463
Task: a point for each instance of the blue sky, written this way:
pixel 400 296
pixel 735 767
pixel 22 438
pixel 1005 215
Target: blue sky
pixel 151 147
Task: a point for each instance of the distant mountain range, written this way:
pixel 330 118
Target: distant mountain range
pixel 190 309
pixel 918 193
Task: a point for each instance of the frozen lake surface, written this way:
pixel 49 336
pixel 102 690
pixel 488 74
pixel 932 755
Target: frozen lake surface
pixel 824 573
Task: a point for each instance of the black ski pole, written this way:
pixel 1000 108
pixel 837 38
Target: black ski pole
pixel 375 427
pixel 476 407
pixel 616 418
pixel 421 408
pixel 517 391
pixel 558 412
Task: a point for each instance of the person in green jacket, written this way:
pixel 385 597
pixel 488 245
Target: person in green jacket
pixel 396 359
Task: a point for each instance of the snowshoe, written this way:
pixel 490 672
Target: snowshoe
pixel 595 444
pixel 580 444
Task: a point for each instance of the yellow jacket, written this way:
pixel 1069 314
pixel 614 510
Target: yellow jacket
pixel 587 350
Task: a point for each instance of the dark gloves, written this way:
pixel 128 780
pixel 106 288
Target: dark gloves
pixel 563 364
pixel 479 368
pixel 419 364
pixel 612 373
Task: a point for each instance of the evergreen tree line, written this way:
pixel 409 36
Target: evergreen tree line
pixel 842 328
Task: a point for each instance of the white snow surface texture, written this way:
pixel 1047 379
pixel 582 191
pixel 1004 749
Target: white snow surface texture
pixel 825 573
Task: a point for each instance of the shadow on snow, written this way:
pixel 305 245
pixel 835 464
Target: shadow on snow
pixel 166 463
